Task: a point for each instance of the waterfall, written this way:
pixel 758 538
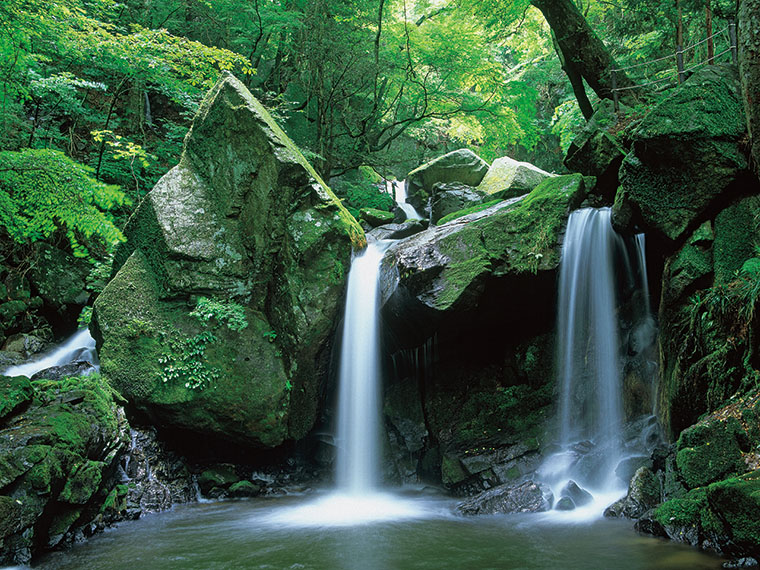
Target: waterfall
pixel 399 194
pixel 589 369
pixel 359 389
pixel 357 499
pixel 79 346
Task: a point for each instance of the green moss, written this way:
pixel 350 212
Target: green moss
pixel 471 210
pixel 10 514
pixel 61 523
pixel 452 470
pixel 737 230
pixel 376 217
pixel 737 501
pixel 709 452
pixel 244 489
pixel 14 394
pixel 82 484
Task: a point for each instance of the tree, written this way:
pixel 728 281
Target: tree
pixel 749 70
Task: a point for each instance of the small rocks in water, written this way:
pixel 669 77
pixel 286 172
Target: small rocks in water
pixel 565 504
pixel 747 562
pixel 244 489
pixel 527 497
pixel 578 496
pixel 76 368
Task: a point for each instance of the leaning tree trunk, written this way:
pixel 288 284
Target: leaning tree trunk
pixel 749 70
pixel 583 51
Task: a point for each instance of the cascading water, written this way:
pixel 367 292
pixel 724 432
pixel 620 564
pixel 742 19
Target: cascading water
pixel 399 194
pixel 358 499
pixel 591 416
pixel 359 400
pixel 79 346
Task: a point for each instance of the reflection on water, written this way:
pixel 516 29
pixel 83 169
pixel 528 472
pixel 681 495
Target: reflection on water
pixel 247 534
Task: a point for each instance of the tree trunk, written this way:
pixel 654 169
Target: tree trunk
pixel 583 51
pixel 749 70
pixel 576 82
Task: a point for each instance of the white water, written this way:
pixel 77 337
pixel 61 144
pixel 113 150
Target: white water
pixel 358 498
pixel 591 414
pixel 399 194
pixel 358 437
pixel 79 346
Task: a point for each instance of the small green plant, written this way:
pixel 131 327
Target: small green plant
pixel 84 317
pixel 183 360
pixel 226 313
pixel 270 336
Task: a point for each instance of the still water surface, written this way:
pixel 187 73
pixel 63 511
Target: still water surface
pixel 255 534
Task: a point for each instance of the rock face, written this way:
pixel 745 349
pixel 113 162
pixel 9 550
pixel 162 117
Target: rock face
pixel 469 315
pixel 462 166
pixel 528 497
pixel 597 152
pixel 685 154
pixel 60 443
pixel 451 197
pixel 509 178
pixel 218 318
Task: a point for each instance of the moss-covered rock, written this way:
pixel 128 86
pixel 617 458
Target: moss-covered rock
pixel 462 166
pixel 709 451
pixel 596 151
pixel 14 394
pixel 736 501
pixel 444 267
pixel 737 234
pixel 686 152
pixel 58 461
pixel 375 217
pixel 244 221
pixel 509 178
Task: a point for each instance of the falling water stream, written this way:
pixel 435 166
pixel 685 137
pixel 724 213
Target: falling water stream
pixel 79 346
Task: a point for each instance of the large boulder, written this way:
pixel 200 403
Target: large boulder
pixel 226 293
pixel 463 166
pixel 508 178
pixel 686 152
pixel 596 151
pixel 445 267
pixel 449 197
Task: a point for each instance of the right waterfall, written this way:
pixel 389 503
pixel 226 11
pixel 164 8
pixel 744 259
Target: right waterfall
pixel 597 265
pixel 588 357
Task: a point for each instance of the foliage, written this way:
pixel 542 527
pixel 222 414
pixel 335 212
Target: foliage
pixel 183 360
pixel 43 191
pixel 227 313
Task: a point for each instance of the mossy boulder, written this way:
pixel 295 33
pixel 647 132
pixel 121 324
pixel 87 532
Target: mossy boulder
pixel 737 231
pixel 463 166
pixel 508 178
pixel 709 451
pixel 449 197
pixel 14 394
pixel 375 217
pixel 445 267
pixel 58 462
pixel 245 221
pixel 736 501
pixel 686 152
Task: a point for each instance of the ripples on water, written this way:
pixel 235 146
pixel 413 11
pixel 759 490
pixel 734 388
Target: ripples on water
pixel 286 533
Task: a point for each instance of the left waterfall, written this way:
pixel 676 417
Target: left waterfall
pixel 358 438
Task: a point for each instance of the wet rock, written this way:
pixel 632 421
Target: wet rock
pixel 244 489
pixel 449 197
pixel 398 230
pixel 579 496
pixel 565 504
pixel 462 166
pixel 25 345
pixel 527 497
pixel 644 493
pixel 76 368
